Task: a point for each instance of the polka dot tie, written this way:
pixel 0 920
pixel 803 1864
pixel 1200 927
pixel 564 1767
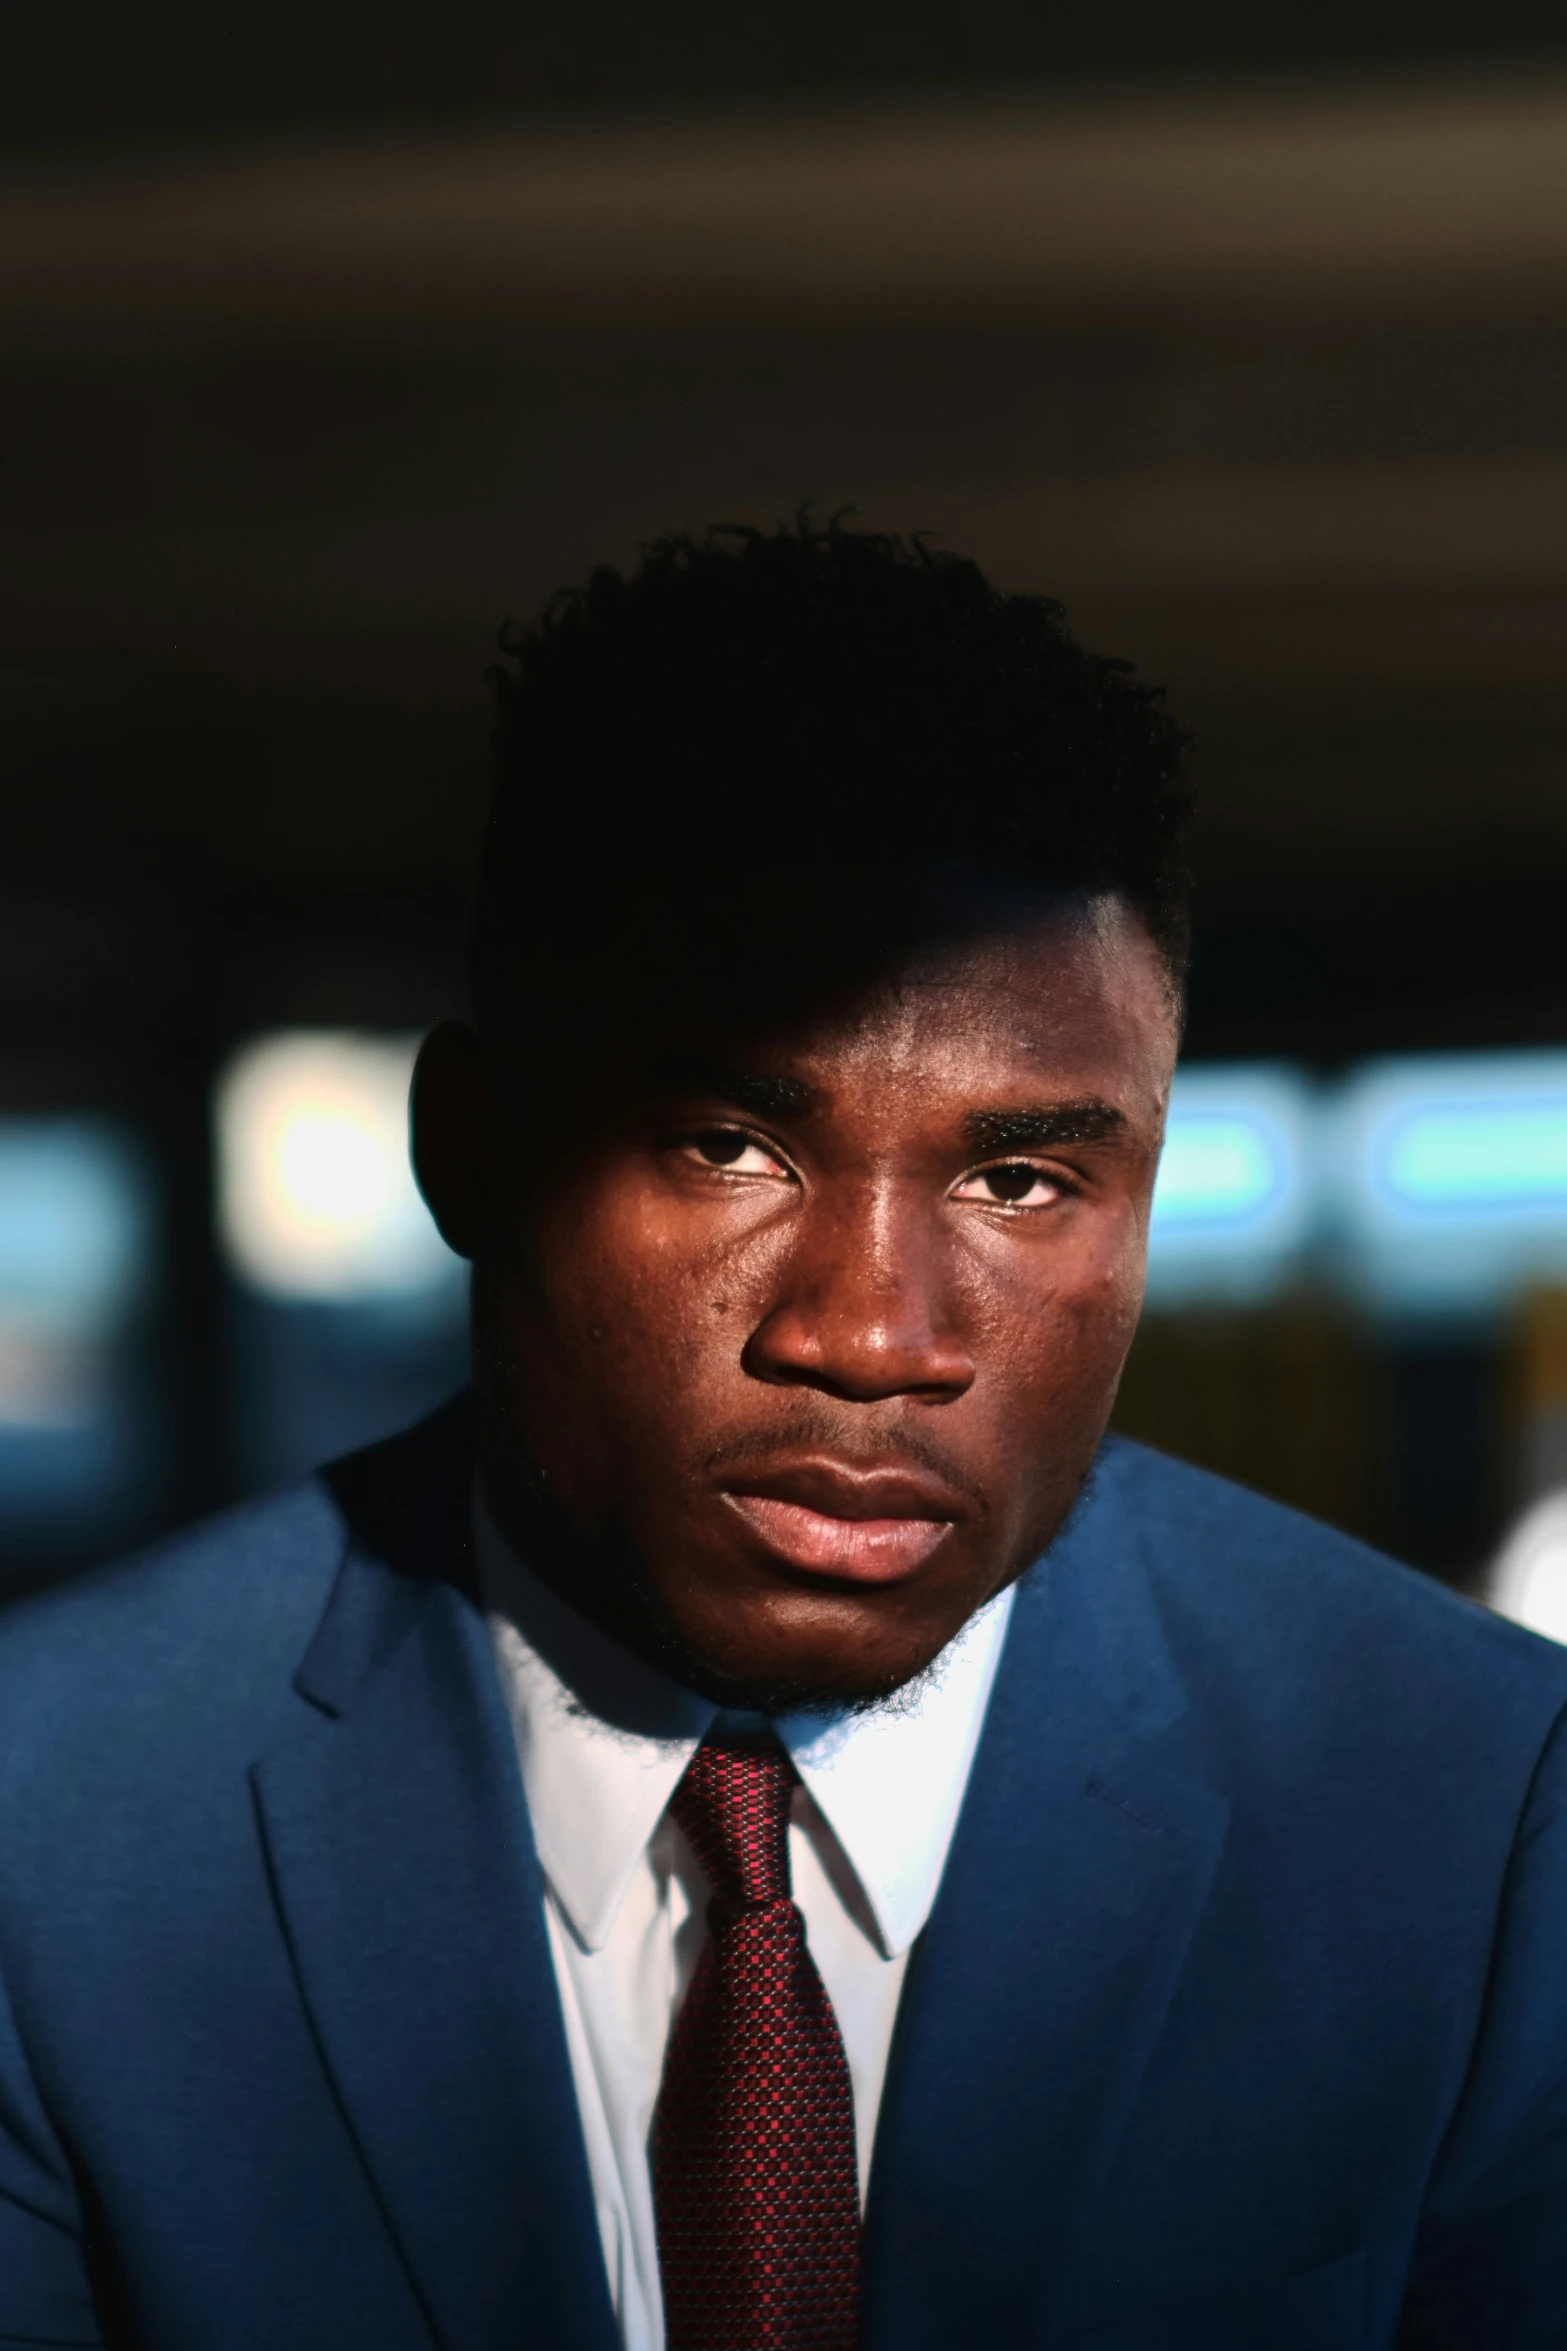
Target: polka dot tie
pixel 754 2170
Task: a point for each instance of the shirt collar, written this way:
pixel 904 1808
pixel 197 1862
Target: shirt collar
pixel 604 1737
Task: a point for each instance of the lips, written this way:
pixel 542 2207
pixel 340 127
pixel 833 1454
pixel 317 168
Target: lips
pixel 861 1526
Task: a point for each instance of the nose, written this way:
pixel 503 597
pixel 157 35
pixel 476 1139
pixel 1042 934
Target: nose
pixel 864 1310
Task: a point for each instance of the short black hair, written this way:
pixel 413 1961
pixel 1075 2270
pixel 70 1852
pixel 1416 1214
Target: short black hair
pixel 758 710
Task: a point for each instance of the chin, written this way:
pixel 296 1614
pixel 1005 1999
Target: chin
pixel 776 1683
pixel 803 1694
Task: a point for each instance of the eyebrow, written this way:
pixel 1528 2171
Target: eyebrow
pixel 1088 1121
pixel 754 1090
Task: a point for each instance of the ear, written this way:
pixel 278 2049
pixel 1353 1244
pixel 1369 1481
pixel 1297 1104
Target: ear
pixel 454 1133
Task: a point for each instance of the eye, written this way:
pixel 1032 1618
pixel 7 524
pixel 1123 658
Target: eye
pixel 1016 1183
pixel 734 1151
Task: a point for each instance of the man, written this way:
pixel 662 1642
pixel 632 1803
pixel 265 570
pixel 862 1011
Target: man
pixel 773 1833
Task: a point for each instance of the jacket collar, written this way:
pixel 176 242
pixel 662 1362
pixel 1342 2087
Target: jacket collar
pixel 1083 1860
pixel 402 1865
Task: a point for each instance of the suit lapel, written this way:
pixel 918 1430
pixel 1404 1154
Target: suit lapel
pixel 1083 1857
pixel 402 1864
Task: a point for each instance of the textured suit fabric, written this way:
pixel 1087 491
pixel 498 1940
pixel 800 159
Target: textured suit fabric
pixel 1239 2024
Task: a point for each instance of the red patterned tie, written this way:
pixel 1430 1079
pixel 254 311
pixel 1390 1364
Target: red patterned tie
pixel 753 2143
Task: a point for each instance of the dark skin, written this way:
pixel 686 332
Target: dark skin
pixel 796 1349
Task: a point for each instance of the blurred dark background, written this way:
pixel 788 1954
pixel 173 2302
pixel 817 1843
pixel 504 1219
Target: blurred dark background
pixel 334 335
pixel 178 67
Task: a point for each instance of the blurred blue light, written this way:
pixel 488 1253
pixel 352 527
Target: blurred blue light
pixel 71 1216
pixel 1451 1174
pixel 74 1247
pixel 1218 1167
pixel 1476 1155
pixel 1234 1206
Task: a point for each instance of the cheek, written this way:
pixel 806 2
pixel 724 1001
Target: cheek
pixel 1055 1336
pixel 627 1298
pixel 1107 1296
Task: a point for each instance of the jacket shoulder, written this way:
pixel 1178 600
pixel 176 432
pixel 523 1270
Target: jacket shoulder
pixel 135 1702
pixel 212 1625
pixel 207 1626
pixel 1306 1605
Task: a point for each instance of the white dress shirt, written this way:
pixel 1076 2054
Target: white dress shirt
pixel 603 1739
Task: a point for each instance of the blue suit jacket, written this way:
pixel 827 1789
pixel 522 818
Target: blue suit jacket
pixel 1240 2020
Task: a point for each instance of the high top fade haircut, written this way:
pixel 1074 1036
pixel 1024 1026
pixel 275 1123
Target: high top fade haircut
pixel 745 779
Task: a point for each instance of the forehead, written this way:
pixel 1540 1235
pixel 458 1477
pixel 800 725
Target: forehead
pixel 1074 1000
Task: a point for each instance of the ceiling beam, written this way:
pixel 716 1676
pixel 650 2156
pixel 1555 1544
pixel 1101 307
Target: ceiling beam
pixel 903 212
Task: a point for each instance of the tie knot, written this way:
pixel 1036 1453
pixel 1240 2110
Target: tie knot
pixel 733 1805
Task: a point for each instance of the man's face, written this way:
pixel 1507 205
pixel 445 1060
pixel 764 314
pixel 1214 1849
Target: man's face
pixel 809 1344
